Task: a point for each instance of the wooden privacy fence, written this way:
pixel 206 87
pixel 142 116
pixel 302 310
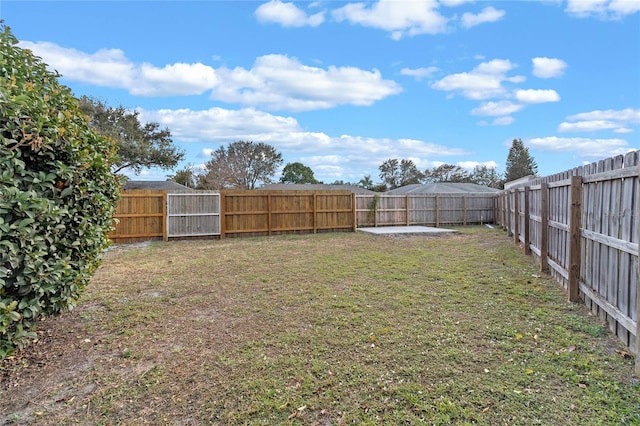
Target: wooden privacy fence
pixel 193 214
pixel 583 226
pixel 140 215
pixel 144 215
pixel 253 213
pixel 424 209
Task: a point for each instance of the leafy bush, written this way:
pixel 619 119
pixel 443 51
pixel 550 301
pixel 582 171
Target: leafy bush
pixel 57 195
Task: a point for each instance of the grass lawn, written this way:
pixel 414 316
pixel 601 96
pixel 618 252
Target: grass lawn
pixel 325 329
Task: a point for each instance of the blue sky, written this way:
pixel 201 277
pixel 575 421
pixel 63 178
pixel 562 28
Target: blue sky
pixel 343 86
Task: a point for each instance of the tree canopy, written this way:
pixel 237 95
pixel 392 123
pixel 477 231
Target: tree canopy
pixel 186 176
pixel 241 165
pixel 519 162
pixel 481 175
pixel 446 173
pixel 57 195
pixel 395 174
pixel 297 173
pixel 139 145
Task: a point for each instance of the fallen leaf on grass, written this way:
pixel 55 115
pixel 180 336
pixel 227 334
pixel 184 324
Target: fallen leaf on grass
pixel 528 371
pixel 518 336
pixel 485 409
pixel 624 354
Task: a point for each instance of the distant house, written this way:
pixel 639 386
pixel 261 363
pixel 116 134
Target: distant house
pixel 316 187
pixel 156 185
pixel 520 181
pixel 442 188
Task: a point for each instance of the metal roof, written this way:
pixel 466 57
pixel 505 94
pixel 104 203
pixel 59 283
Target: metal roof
pixel 443 188
pixel 157 185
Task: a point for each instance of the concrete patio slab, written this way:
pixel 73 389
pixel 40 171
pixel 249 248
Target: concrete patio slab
pixel 394 230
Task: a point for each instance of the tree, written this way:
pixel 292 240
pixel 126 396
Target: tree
pixel 395 174
pixel 446 173
pixel 366 182
pixel 186 176
pixel 57 195
pixel 297 173
pixel 241 165
pixel 519 162
pixel 390 173
pixel 140 145
pixel 486 176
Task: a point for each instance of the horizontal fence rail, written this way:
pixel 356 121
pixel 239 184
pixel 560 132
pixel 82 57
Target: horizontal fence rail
pixel 424 209
pixel 583 226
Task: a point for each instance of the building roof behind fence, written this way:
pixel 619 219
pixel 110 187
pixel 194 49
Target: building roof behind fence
pixel 315 187
pixel 155 185
pixel 442 188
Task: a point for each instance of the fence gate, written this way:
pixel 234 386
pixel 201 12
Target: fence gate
pixel 193 215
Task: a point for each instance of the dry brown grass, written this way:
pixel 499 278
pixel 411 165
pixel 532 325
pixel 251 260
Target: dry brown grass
pixel 322 329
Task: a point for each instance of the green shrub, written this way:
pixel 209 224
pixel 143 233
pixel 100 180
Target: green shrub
pixel 57 195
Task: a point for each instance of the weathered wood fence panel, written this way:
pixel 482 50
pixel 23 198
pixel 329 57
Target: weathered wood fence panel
pixel 255 213
pixel 425 209
pixel 193 214
pixel 139 216
pixel 583 226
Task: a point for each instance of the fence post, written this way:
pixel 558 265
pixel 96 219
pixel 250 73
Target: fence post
pixel 269 214
pixel 464 210
pixel 573 286
pixel 223 217
pixel 353 208
pixel 508 213
pixel 315 212
pixel 516 216
pixel 165 234
pixel 544 228
pixel 437 212
pixel 407 210
pixel 527 218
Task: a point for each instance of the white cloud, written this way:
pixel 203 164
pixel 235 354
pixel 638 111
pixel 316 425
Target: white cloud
pixel 106 67
pixel 488 14
pixel 287 15
pixel 176 79
pixel 584 147
pixel 400 18
pixel 483 82
pixel 278 82
pixel 275 82
pixel 548 67
pixel 619 121
pixel 454 3
pixel 587 126
pixel 533 96
pixel 629 115
pixel 220 125
pixel 497 108
pixel 503 121
pixel 111 68
pixel 604 9
pixel 470 165
pixel 419 73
